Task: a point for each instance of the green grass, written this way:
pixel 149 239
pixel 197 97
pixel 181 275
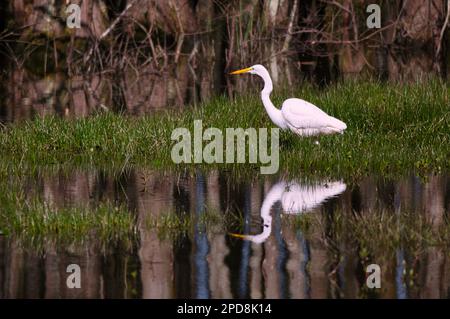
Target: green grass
pixel 392 129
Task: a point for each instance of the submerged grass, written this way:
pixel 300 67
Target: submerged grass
pixel 176 225
pixel 36 222
pixel 376 233
pixel 392 129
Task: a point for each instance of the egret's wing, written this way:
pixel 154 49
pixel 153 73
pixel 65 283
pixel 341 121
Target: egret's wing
pixel 303 198
pixel 301 107
pixel 302 115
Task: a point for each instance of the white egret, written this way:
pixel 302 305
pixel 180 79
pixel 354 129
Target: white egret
pixel 295 199
pixel 301 117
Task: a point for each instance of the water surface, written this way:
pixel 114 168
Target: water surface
pixel 275 259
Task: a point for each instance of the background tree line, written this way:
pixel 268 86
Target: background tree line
pixel 191 44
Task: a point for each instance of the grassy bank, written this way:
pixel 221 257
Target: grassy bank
pixel 392 129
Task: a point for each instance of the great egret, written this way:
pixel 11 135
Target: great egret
pixel 301 117
pixel 295 199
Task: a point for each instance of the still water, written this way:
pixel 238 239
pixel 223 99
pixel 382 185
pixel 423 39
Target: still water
pixel 25 95
pixel 266 258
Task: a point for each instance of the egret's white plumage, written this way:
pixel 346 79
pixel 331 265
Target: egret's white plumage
pixel 295 199
pixel 301 117
pixel 299 198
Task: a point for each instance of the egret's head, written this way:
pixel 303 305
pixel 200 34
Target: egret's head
pixel 259 238
pixel 255 69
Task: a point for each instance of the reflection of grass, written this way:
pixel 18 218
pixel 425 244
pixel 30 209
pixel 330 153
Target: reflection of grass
pixel 36 222
pixel 392 128
pixel 173 225
pixel 393 240
pixel 378 233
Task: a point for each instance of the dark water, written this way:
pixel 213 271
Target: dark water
pixel 276 261
pixel 28 92
pixel 25 95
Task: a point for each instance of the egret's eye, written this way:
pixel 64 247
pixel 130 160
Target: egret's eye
pixel 266 225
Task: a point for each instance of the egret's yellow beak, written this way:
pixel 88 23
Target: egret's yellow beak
pixel 237 235
pixel 242 71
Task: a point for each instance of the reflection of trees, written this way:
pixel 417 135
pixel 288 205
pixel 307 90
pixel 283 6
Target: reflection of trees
pixel 434 259
pixel 298 281
pixel 316 264
pixel 219 280
pixel 149 190
pixel 256 276
pixel 28 95
pixel 165 53
pixel 33 274
pixel 348 268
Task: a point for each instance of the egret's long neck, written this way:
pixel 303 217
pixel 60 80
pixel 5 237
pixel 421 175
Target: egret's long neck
pixel 273 196
pixel 274 113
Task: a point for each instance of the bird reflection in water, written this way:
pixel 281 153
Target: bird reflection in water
pixel 295 199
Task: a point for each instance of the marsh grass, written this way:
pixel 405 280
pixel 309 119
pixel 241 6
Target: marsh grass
pixel 392 129
pixel 35 222
pixel 376 233
pixel 400 242
pixel 377 237
pixel 171 225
